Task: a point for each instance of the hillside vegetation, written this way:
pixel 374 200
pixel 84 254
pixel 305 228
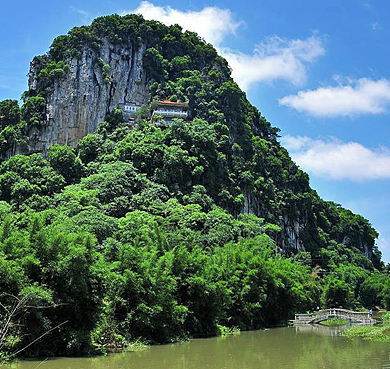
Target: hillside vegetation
pixel 142 233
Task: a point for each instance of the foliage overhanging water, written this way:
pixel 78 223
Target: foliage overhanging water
pixel 293 348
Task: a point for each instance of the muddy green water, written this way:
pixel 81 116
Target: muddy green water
pixel 299 347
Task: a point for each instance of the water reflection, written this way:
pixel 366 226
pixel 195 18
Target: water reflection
pixel 323 330
pixel 305 347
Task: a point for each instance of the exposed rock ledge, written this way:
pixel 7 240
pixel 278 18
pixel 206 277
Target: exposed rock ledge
pixel 79 102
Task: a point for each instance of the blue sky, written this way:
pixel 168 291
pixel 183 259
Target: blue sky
pixel 317 70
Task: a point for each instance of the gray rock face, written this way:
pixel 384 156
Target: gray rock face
pixel 289 239
pixel 79 102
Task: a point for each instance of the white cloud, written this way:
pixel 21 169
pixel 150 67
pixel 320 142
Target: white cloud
pixel 273 59
pixel 79 11
pixel 384 246
pixel 86 16
pixel 384 243
pixel 334 159
pixel 295 143
pixel 376 26
pixel 365 96
pixel 211 23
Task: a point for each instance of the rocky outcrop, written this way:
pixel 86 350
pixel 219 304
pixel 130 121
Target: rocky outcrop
pixel 290 235
pixel 289 238
pixel 79 102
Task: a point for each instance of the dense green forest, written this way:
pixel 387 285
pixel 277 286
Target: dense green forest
pixel 140 234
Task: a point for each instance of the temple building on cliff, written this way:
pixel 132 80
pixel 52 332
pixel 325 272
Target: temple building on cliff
pixel 168 110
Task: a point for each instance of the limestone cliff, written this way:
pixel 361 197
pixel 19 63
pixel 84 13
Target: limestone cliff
pixel 78 103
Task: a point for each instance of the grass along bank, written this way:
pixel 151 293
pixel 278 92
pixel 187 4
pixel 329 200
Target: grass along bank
pixel 376 333
pixel 334 321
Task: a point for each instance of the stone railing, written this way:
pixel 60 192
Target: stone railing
pixel 170 113
pixel 334 313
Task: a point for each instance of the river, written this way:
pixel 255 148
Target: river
pixel 307 347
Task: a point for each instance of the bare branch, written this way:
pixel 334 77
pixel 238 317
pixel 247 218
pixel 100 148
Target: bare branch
pixel 42 362
pixel 1 305
pixel 37 339
pixel 11 320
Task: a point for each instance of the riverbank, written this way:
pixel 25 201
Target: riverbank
pixel 139 345
pixel 374 332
